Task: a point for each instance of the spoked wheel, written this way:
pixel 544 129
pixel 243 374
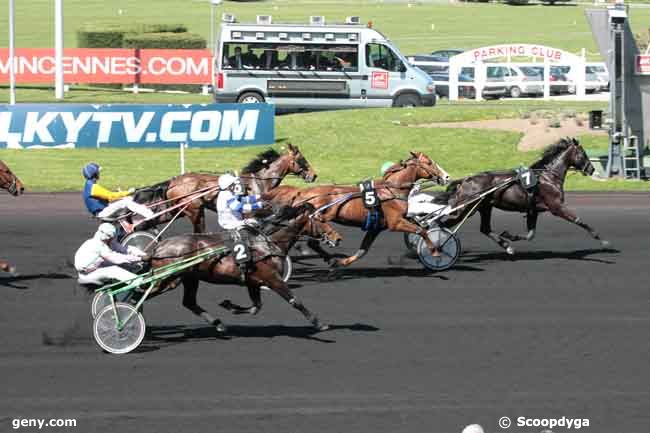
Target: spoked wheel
pixel 140 240
pixel 107 332
pixel 101 300
pixel 287 268
pixel 411 241
pixel 448 247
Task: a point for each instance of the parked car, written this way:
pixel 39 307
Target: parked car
pixel 560 83
pixel 516 81
pixel 444 55
pixel 466 75
pixel 601 71
pixel 593 81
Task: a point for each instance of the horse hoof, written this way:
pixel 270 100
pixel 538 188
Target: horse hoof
pixel 510 251
pixel 319 326
pixel 605 244
pixel 12 270
pixel 220 327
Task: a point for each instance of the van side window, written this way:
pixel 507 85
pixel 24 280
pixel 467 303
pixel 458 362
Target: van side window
pixel 382 57
pixel 284 56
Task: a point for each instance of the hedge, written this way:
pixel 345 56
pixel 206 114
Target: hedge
pixel 112 35
pixel 165 40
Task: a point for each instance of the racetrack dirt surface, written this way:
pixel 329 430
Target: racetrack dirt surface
pixel 559 330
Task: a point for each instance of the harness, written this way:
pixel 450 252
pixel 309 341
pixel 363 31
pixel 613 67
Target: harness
pixel 372 203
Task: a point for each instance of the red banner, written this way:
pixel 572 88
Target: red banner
pixel 643 64
pixel 108 65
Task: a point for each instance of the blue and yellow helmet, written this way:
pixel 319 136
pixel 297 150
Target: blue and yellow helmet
pixel 91 170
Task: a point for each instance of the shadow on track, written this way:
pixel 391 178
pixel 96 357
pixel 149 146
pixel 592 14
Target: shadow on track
pixel 9 280
pixel 169 335
pixel 584 255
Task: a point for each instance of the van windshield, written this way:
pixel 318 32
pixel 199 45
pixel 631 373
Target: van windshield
pixel 286 56
pixel 382 57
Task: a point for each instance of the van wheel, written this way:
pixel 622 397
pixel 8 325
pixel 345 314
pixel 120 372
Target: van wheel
pixel 250 98
pixel 515 92
pixel 407 100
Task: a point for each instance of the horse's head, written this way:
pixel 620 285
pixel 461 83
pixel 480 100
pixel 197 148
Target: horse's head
pixel 579 159
pixel 418 166
pixel 9 181
pixel 302 220
pixel 298 165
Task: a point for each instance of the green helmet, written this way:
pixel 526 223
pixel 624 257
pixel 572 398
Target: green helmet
pixel 385 166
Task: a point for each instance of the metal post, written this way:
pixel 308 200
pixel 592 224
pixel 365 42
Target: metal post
pixel 183 157
pixel 12 54
pixel 213 8
pixel 58 49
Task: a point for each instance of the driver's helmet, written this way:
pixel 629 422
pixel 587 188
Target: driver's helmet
pixel 385 166
pixel 106 231
pixel 227 180
pixel 91 170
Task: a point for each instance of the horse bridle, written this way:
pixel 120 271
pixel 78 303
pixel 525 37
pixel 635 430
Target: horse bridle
pixel 418 164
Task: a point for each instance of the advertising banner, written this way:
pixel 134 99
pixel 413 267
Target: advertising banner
pixel 110 65
pixel 34 126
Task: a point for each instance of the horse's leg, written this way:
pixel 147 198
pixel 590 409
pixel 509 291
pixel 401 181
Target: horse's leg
pixel 403 225
pixel 198 221
pixel 531 224
pixel 281 288
pixel 366 243
pixel 315 245
pixel 565 213
pixel 486 229
pixel 190 287
pixel 254 293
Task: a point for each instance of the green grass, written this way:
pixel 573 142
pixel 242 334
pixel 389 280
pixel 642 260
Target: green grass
pixel 429 25
pixel 343 147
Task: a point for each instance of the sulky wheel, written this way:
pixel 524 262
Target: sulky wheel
pixel 141 240
pixel 101 300
pixel 110 337
pixel 411 241
pixel 448 246
pixel 287 268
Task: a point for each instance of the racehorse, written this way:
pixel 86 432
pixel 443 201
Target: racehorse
pixel 263 173
pixel 10 183
pixel 344 204
pixel 551 170
pixel 266 270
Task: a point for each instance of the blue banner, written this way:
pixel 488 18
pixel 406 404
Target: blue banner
pixel 26 126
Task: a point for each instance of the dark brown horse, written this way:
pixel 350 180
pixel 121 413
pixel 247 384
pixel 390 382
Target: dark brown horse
pixel 551 171
pixel 344 204
pixel 263 173
pixel 266 270
pixel 10 183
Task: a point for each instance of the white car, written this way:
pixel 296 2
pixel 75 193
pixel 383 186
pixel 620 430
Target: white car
pixel 516 81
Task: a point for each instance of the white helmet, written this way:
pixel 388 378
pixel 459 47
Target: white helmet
pixel 106 231
pixel 226 181
pixel 473 428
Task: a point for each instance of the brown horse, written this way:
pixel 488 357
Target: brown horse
pixel 262 174
pixel 344 204
pixel 266 270
pixel 10 183
pixel 551 171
